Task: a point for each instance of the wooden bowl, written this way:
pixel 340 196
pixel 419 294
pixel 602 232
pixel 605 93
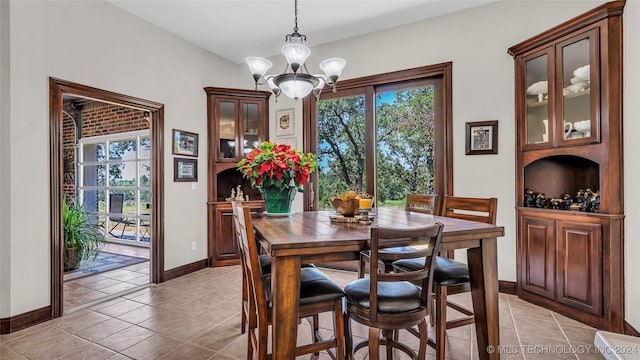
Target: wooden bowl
pixel 347 208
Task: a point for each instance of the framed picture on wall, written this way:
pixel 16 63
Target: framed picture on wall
pixel 481 137
pixel 285 123
pixel 185 143
pixel 185 170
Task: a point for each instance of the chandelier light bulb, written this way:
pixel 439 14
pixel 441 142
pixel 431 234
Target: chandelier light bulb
pixel 333 68
pixel 296 88
pixel 296 54
pixel 258 65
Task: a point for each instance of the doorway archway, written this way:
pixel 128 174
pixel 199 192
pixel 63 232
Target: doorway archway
pixel 57 90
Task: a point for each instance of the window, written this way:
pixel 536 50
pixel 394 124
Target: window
pixel 387 134
pixel 114 184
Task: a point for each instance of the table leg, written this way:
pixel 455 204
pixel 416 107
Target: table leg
pixel 483 270
pixel 285 287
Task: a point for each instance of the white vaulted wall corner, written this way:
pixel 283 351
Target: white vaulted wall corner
pixel 93 43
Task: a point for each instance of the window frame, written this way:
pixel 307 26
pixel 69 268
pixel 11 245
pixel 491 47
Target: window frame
pixel 438 74
pixel 136 136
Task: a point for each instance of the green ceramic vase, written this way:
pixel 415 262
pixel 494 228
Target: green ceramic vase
pixel 278 201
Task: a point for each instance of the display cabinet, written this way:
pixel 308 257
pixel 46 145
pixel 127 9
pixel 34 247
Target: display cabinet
pixel 569 168
pixel 237 122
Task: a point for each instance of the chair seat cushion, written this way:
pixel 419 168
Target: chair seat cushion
pixel 393 297
pixel 446 272
pixel 265 263
pixel 315 287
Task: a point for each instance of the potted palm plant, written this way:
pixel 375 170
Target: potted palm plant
pixel 82 239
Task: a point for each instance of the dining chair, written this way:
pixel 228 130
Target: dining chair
pixel 389 302
pixel 265 265
pixel 318 294
pixel 450 276
pixel 422 203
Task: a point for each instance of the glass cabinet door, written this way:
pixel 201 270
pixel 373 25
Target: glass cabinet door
pixel 226 130
pixel 539 124
pixel 579 90
pixel 251 126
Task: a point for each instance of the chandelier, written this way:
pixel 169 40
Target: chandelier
pixel 296 81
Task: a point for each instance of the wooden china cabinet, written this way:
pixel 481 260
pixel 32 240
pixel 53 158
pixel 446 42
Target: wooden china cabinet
pixel 237 122
pixel 569 137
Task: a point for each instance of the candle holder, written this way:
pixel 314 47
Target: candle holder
pixel 365 208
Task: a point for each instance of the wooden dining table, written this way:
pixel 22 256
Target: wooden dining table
pixel 312 237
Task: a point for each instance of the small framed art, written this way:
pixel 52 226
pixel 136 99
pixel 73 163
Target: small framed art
pixel 185 170
pixel 285 122
pixel 481 137
pixel 185 143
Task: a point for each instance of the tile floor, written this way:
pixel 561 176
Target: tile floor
pixel 197 316
pixel 92 288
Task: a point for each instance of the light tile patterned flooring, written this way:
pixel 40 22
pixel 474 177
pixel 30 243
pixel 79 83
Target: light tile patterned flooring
pixel 92 288
pixel 197 316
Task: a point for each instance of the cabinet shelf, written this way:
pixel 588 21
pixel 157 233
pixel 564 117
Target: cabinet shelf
pixel 533 103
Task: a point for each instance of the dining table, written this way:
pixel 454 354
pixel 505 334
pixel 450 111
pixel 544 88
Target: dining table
pixel 316 237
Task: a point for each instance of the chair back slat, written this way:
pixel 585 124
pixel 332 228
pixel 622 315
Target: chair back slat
pixel 423 241
pixel 422 203
pixel 475 209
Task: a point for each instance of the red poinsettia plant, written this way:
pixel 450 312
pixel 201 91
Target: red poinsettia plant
pixel 277 165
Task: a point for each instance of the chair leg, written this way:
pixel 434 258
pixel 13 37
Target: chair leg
pixel 424 339
pixel 374 343
pixel 361 266
pixel 441 321
pixel 347 336
pixel 390 337
pixel 339 330
pixel 315 328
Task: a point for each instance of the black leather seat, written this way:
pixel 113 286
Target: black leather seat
pixel 447 272
pixel 392 297
pixel 389 302
pixel 315 287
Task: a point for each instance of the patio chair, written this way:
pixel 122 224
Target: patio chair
pixel 116 202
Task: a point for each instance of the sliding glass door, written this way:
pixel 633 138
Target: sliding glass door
pixel 404 148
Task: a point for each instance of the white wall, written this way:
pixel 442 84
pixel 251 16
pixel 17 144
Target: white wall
pixel 96 44
pixel 5 259
pixel 476 40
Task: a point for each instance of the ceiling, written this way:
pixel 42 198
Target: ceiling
pixel 235 29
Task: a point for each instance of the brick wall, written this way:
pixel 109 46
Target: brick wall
pixel 98 119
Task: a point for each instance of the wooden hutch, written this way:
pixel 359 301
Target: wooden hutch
pixel 569 137
pixel 237 122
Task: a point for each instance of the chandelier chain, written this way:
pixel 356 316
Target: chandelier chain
pixel 295 17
